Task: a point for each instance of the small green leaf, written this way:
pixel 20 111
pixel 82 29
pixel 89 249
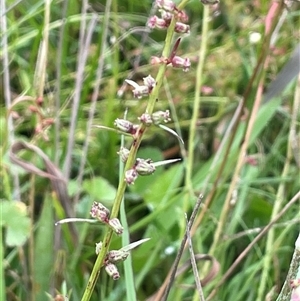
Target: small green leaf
pixel 100 189
pixel 14 218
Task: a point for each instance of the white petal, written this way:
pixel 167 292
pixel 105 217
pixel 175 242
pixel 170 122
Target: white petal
pixel 132 83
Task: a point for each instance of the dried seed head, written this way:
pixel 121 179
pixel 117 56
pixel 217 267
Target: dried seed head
pixel 115 256
pixel 167 5
pixel 146 119
pixel 100 212
pixel 115 224
pixel 144 167
pixel 98 247
pixel 141 91
pixel 123 125
pixel 130 176
pixel 112 271
pixel 182 28
pixel 167 16
pixel 149 81
pixel 126 126
pixel 161 116
pixel 123 153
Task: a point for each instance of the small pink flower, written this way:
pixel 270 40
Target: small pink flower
pixel 207 90
pixel 150 82
pixel 179 62
pixel 146 119
pixel 100 212
pixel 182 28
pixel 123 153
pixel 161 116
pixel 182 16
pixel 155 60
pixel 143 90
pixel 112 271
pixel 167 16
pixel 130 176
pixel 156 22
pixel 115 224
pixel 166 5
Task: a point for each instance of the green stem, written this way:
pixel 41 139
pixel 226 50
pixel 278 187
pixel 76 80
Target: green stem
pixel 2 279
pixel 197 103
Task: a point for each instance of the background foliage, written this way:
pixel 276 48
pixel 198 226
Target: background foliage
pixel 41 260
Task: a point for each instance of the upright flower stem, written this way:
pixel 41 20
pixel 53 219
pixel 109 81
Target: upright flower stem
pixel 129 163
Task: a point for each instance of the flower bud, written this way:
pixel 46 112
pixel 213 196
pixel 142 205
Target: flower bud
pixel 115 256
pixel 161 116
pixel 115 224
pixel 39 101
pixel 100 212
pixel 47 121
pixel 112 271
pixel 156 22
pixel 179 62
pixel 123 153
pixel 130 176
pixel 144 167
pixel 167 5
pixel 141 91
pixel 182 28
pixel 146 119
pixel 149 81
pixel 155 60
pixel 98 247
pixel 126 126
pixel 182 16
pixel 167 16
pixel 123 125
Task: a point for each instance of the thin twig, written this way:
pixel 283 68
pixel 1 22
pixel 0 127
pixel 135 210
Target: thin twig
pixel 193 262
pixel 7 96
pixel 58 81
pixel 84 42
pixel 181 249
